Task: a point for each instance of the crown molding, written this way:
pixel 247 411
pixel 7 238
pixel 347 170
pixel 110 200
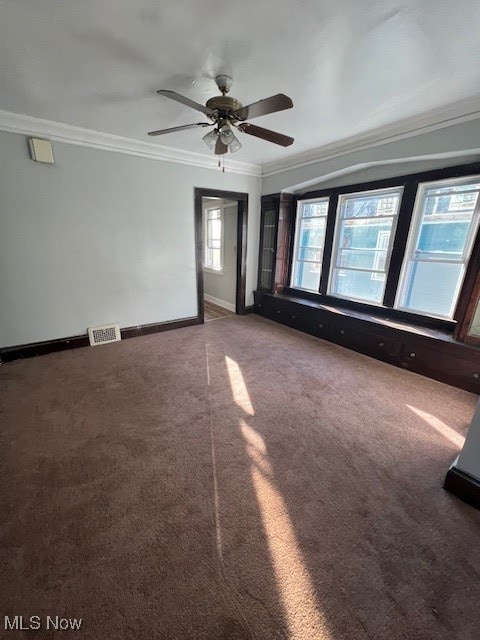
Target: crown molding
pixel 439 118
pixel 69 134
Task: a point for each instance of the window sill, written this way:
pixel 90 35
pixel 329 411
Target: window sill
pixel 218 272
pixel 372 311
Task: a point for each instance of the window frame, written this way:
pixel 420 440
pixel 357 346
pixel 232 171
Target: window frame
pixel 206 209
pixel 410 183
pixel 335 249
pixel 296 241
pixel 413 235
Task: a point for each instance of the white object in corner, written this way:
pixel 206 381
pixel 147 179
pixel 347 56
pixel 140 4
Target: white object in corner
pixel 104 334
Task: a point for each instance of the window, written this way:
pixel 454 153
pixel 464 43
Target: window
pixel 442 232
pixel 309 243
pixel 362 247
pixel 213 252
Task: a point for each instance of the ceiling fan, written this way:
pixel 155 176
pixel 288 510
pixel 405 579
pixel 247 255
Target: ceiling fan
pixel 226 112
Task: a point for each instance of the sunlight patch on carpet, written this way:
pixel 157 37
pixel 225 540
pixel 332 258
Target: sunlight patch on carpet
pixel 442 428
pixel 239 389
pixel 294 583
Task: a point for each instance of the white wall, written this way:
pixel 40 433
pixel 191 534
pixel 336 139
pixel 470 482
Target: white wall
pixel 101 237
pixel 223 285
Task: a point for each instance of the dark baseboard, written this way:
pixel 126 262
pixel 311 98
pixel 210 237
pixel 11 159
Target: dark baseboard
pixel 145 329
pixel 463 485
pixel 7 354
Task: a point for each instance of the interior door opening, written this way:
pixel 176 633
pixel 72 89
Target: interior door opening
pixel 221 236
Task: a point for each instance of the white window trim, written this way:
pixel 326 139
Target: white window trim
pixel 214 207
pixel 412 236
pixel 333 260
pixel 296 246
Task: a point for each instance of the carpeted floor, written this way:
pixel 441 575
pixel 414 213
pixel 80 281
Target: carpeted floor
pixel 231 481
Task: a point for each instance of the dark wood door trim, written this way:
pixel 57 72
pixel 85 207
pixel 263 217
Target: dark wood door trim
pixel 242 228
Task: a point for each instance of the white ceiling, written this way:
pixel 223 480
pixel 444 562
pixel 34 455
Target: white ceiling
pixel 349 65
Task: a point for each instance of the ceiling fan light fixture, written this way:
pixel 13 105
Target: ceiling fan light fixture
pixel 226 134
pixel 235 144
pixel 211 138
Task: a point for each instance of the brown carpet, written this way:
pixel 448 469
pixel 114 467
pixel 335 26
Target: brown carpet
pixel 229 481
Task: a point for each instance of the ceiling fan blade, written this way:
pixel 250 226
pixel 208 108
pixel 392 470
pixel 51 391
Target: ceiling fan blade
pixel 220 147
pixel 278 102
pixel 186 101
pixel 265 134
pixel 160 132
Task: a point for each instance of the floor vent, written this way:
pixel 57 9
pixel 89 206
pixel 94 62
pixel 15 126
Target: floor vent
pixel 104 334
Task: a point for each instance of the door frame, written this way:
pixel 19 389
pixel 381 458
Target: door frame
pixel 242 227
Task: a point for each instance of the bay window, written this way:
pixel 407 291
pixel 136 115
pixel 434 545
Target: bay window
pixel 404 244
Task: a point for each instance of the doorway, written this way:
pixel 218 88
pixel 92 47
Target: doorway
pixel 221 251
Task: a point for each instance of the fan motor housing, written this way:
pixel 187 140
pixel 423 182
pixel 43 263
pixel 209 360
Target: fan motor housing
pixel 224 104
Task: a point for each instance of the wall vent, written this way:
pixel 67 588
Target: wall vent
pixel 104 334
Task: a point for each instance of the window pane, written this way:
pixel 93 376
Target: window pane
pixel 313 255
pixel 432 287
pixel 369 206
pixel 214 229
pixel 309 242
pixel 358 285
pixel 213 238
pixel 441 236
pixel 312 232
pixel 362 259
pixel 444 225
pixel 216 262
pixel 362 245
pixel 307 276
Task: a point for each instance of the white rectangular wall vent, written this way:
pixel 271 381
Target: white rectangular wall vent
pixel 104 334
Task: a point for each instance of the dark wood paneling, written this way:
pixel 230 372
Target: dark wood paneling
pixel 284 233
pixel 328 248
pixel 467 301
pixel 401 236
pixel 463 485
pixel 436 363
pixel 199 253
pixel 242 231
pixel 8 354
pixel 365 308
pixel 436 354
pixel 268 245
